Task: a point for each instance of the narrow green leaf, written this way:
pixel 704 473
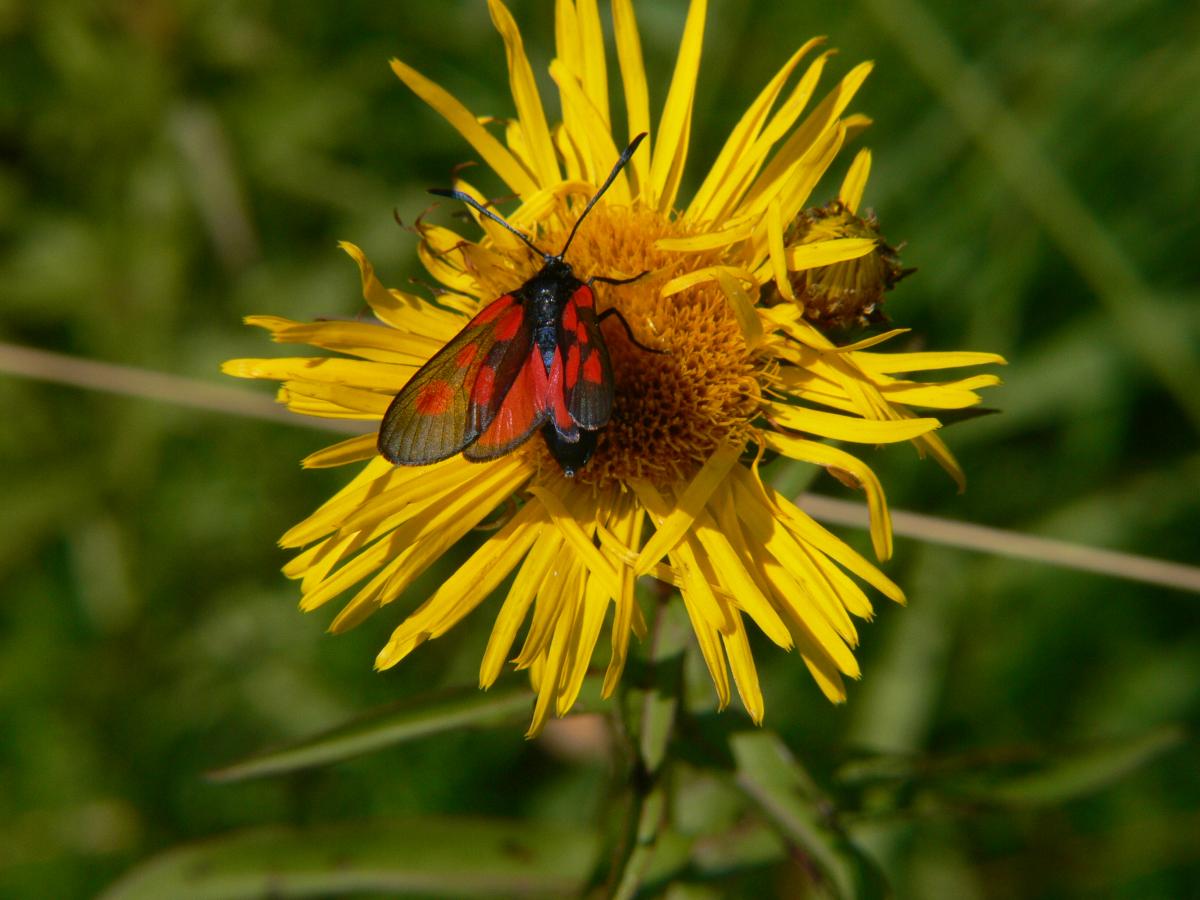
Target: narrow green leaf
pixel 412 719
pixel 433 856
pixel 1069 776
pixel 748 845
pixel 656 721
pixel 776 781
pixel 1016 776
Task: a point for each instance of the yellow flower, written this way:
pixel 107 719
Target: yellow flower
pixel 673 490
pixel 848 293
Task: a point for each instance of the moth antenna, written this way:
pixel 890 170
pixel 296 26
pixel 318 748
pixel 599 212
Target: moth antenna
pixel 624 158
pixel 483 210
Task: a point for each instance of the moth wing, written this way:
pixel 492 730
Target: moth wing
pixel 587 379
pixel 454 397
pixel 524 408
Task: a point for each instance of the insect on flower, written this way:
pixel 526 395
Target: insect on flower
pixel 534 357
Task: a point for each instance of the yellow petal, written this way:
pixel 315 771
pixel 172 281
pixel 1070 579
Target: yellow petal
pixel 498 237
pixel 843 587
pixel 706 274
pixel 828 680
pixel 947 395
pixel 819 604
pixel 689 505
pixel 810 627
pixel 494 153
pixel 685 571
pixel 583 87
pixel 377 475
pixel 627 528
pixel 696 593
pixel 738 144
pixel 586 632
pixel 526 97
pixel 731 191
pixel 776 254
pixel 463 591
pixel 580 541
pixel 745 675
pixel 743 308
pixel 825 455
pixel 567 36
pixel 856 181
pixel 411 548
pixel 350 450
pixel 396 308
pixel 855 124
pixel 373 376
pixel 848 428
pixel 798 182
pixel 825 253
pixel 674 126
pixel 559 588
pixel 808 531
pixel 872 341
pixel 336 401
pixel 739 581
pixel 731 233
pixel 591 133
pixel 637 98
pixel 550 677
pixel 408 499
pixel 892 363
pixel 790 321
pixel 687 561
pixel 375 342
pixel 516 605
pixel 595 69
pixel 302 564
pixel 805 138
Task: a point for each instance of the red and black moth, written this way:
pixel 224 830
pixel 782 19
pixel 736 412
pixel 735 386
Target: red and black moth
pixel 532 358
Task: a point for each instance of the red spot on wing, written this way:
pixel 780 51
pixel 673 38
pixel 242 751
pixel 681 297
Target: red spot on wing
pixel 466 355
pixel 557 396
pixel 434 398
pixel 485 384
pixel 572 365
pixel 592 370
pixel 507 327
pixel 581 333
pixel 569 318
pixel 583 297
pixel 493 309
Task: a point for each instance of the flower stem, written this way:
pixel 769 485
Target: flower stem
pixel 647 717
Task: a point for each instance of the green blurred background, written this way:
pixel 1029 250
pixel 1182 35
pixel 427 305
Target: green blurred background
pixel 169 167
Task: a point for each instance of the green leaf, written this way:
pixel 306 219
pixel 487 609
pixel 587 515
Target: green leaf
pixel 775 780
pixel 1004 777
pixel 391 725
pixel 1069 776
pixel 437 856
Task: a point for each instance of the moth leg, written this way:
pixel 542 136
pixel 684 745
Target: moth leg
pixel 604 279
pixel 613 311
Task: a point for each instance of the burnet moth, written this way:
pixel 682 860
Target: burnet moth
pixel 532 358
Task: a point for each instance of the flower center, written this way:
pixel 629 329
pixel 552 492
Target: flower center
pixel 675 407
pixel 846 294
